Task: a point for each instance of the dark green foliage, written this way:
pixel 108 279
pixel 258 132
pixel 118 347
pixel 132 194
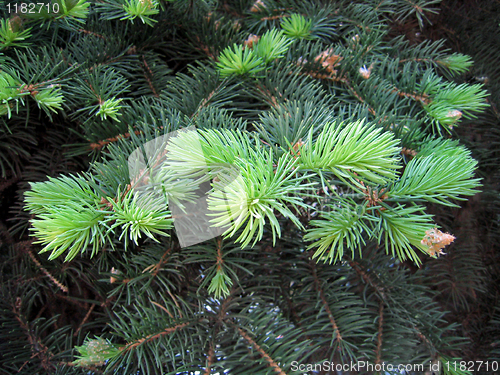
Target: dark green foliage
pixel 334 148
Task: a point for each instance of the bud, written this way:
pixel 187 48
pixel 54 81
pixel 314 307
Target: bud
pixel 15 24
pixel 328 60
pixel 114 271
pixel 258 6
pixel 436 240
pixel 95 352
pixel 454 114
pixel 251 41
pixel 365 72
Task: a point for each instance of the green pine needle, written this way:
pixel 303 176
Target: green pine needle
pixel 11 36
pixel 239 61
pixel 111 108
pixel 59 192
pixel 339 230
pixel 72 227
pixel 136 215
pixel 354 147
pixel 142 9
pixel 49 99
pixel 437 178
pixel 220 284
pixel 9 93
pixel 272 45
pixel 404 227
pixel 456 63
pixel 451 101
pixel 252 197
pixel 297 27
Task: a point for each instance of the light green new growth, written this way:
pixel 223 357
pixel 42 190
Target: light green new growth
pixel 49 98
pixel 251 188
pixel 70 216
pixel 135 217
pixel 297 27
pixel 450 102
pixel 111 108
pixel 77 10
pixel 142 9
pixel 95 352
pixel 272 45
pixel 456 63
pixel 12 36
pixel 353 151
pixel 239 61
pixel 9 94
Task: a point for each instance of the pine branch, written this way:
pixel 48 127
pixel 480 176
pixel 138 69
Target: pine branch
pixel 324 134
pixel 134 344
pixel 378 353
pixel 319 289
pixel 84 320
pixel 148 74
pixel 26 246
pixel 367 278
pixel 38 349
pixel 210 360
pixel 262 352
pixel 8 182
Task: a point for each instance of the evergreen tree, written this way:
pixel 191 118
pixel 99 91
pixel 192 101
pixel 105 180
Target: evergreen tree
pixel 238 187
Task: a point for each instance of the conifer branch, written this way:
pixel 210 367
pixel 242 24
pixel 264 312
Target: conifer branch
pixel 149 76
pixel 155 268
pixel 262 352
pixel 220 260
pixel 176 303
pixel 73 301
pixel 408 152
pixel 270 98
pixel 276 17
pixel 378 358
pixel 47 273
pixel 100 144
pixel 8 182
pixel 424 338
pixel 226 302
pixel 205 49
pixel 424 99
pixel 84 320
pixel 416 60
pixel 88 32
pixel 163 308
pixel 344 80
pixel 210 360
pixel 367 278
pixel 273 123
pixel 25 245
pixel 167 331
pixel 206 100
pixel 319 289
pixel 37 347
pixel 358 96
